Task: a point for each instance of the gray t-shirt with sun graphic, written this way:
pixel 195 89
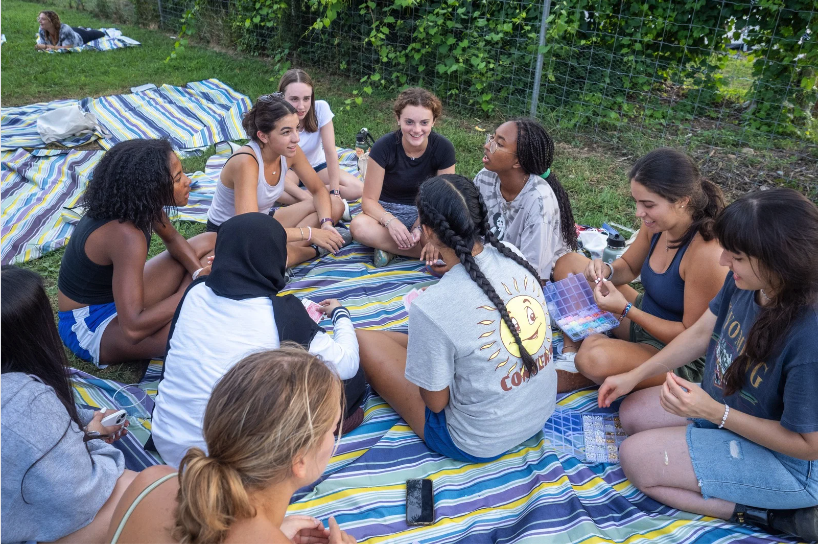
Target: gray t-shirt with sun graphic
pixel 458 340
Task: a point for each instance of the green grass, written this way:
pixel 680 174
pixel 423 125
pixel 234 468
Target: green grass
pixel 596 182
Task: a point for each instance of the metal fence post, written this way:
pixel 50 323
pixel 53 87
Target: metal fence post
pixel 161 18
pixel 535 92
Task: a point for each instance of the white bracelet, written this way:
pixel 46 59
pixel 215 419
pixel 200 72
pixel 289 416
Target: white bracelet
pixel 724 417
pixel 612 271
pixel 196 274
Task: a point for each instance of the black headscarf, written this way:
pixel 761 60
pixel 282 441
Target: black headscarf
pixel 251 261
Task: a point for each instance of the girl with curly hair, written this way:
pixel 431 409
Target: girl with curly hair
pixel 114 307
pixel 399 163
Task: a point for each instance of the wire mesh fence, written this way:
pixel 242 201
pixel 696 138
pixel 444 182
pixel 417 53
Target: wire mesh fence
pixel 733 82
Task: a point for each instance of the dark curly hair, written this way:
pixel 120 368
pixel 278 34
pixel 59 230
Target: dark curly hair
pixel 453 208
pixel 132 182
pixel 535 153
pixel 55 20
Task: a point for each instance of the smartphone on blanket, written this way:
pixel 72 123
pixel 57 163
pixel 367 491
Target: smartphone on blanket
pixel 420 505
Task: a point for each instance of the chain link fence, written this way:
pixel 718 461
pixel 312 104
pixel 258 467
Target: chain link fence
pixel 734 83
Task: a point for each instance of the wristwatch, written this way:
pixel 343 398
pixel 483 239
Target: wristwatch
pixel 336 192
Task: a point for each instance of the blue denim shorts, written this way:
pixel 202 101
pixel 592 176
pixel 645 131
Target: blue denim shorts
pixel 735 469
pixel 437 437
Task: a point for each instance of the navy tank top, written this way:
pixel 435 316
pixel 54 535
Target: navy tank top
pixel 81 279
pixel 664 293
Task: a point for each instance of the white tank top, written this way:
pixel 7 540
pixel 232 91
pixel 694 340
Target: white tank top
pixel 224 200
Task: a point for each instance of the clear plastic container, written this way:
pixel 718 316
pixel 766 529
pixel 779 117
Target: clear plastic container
pixel 571 304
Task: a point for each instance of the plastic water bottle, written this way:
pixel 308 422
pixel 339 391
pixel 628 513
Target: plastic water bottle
pixel 615 248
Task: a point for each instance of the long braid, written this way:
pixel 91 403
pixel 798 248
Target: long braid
pixel 535 152
pixel 471 230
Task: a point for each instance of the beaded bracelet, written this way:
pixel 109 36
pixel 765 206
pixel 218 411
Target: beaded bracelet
pixel 724 417
pixel 625 311
pixel 386 225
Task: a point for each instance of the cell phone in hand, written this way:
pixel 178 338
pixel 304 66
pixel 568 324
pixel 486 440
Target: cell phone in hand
pixel 420 505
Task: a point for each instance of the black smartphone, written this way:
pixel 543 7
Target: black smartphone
pixel 420 502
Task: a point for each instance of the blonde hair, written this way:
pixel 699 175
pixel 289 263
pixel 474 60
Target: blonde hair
pixel 266 411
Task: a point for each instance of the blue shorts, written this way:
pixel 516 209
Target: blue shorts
pixel 81 330
pixel 319 167
pixel 735 469
pixel 437 437
pixel 405 213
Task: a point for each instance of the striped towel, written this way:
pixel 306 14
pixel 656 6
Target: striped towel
pixel 192 117
pixel 37 188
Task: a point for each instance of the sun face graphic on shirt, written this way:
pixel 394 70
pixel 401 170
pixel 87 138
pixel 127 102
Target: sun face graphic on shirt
pixel 525 309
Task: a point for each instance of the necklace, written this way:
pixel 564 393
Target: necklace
pixel 763 294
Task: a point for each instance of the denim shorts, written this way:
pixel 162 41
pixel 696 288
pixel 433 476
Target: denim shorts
pixel 319 167
pixel 437 437
pixel 735 469
pixel 81 330
pixel 405 213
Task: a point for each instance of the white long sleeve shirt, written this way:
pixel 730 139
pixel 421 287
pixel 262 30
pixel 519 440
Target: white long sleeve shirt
pixel 211 335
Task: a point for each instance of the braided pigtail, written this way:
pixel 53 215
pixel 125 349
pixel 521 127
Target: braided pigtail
pixel 449 205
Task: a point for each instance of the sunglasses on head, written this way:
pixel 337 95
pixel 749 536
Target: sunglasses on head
pixel 271 97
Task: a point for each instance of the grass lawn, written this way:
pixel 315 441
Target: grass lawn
pixel 596 181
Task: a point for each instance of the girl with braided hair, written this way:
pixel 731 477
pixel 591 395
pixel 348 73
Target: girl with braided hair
pixel 113 306
pixel 527 205
pixel 479 344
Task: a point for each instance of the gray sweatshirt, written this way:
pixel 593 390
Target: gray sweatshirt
pixel 64 490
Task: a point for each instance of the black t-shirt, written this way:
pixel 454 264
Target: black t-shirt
pixel 781 388
pixel 403 176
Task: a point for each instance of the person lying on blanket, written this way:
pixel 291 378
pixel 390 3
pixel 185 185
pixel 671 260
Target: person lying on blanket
pixel 677 208
pixel 268 431
pixel 527 205
pixel 55 35
pixel 742 446
pixel 114 306
pixel 61 477
pixel 236 311
pixel 474 376
pixel 317 135
pixel 399 163
pixel 254 176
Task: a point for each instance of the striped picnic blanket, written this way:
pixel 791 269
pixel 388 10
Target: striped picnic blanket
pixel 540 491
pixel 113 39
pixel 37 189
pixel 192 118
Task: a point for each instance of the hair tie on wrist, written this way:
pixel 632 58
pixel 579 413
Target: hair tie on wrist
pixel 546 174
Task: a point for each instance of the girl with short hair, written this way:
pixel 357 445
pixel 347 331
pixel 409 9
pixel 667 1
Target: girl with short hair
pixel 398 165
pixel 744 445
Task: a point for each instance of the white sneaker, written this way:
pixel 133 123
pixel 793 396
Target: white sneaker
pixel 346 216
pixel 565 361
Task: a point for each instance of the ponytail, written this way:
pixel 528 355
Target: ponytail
pixel 673 175
pixel 211 497
pixel 265 114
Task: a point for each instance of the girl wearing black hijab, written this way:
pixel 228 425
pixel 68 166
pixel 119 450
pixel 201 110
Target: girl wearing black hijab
pixel 233 312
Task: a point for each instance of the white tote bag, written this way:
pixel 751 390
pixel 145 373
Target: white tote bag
pixel 65 122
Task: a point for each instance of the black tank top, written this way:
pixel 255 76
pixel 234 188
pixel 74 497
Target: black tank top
pixel 81 279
